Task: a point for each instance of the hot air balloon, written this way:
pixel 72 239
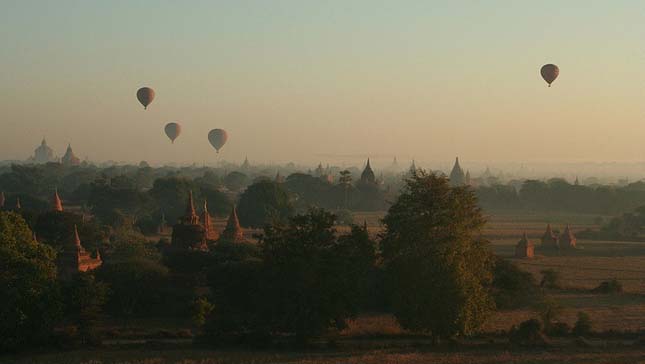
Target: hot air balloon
pixel 172 131
pixel 217 138
pixel 550 72
pixel 145 95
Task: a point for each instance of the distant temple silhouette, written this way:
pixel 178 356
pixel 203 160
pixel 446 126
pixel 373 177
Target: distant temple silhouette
pixel 549 239
pixel 44 154
pixel 69 159
pixel 368 177
pixel 566 240
pixel 524 248
pixel 457 176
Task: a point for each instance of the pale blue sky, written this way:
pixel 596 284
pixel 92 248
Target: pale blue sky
pixel 293 80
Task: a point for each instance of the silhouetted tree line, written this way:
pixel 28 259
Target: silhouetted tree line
pixel 629 226
pixel 558 195
pixel 431 269
pixel 143 196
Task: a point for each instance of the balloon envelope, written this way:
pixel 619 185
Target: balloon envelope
pixel 172 131
pixel 217 138
pixel 549 73
pixel 145 95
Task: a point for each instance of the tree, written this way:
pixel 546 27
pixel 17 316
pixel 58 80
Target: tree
pixel 116 199
pixel 234 181
pixel 550 279
pixel 219 203
pixel 582 326
pixel 263 202
pixel 314 277
pixel 56 228
pixel 136 285
pixel 437 266
pixel 30 304
pixel 345 180
pixel 512 286
pixel 303 279
pixel 84 300
pixel 170 195
pixel 310 191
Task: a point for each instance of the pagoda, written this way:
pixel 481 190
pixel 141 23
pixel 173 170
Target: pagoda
pixel 207 223
pixel 44 154
pixel 368 174
pixel 524 248
pixel 57 204
pixel 549 239
pixel 457 176
pixel 233 232
pixel 69 159
pixel 188 233
pixel 567 239
pixel 74 258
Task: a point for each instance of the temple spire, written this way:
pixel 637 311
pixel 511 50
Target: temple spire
pixel 58 204
pixel 211 233
pixel 191 216
pixel 457 176
pixel 77 240
pixel 233 231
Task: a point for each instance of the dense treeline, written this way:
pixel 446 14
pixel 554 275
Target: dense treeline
pixel 558 195
pixel 145 195
pixel 431 269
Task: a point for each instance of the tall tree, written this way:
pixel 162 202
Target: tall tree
pixel 263 202
pixel 303 279
pixel 30 303
pixel 345 180
pixel 437 265
pixel 314 275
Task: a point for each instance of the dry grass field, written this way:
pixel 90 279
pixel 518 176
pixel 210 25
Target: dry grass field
pixel 410 355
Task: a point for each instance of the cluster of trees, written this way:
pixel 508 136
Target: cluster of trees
pixel 142 195
pixel 431 269
pixel 629 226
pixel 346 194
pixel 131 282
pixel 557 194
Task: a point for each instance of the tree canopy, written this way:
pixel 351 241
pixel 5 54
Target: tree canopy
pixel 263 202
pixel 30 304
pixel 437 265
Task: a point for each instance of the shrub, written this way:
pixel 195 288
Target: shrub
pixel 609 287
pixel 529 333
pixel 559 329
pixel 583 325
pixel 513 287
pixel 550 279
pixel 201 309
pixel 549 310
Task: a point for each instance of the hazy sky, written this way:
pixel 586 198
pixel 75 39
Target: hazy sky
pixel 312 80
